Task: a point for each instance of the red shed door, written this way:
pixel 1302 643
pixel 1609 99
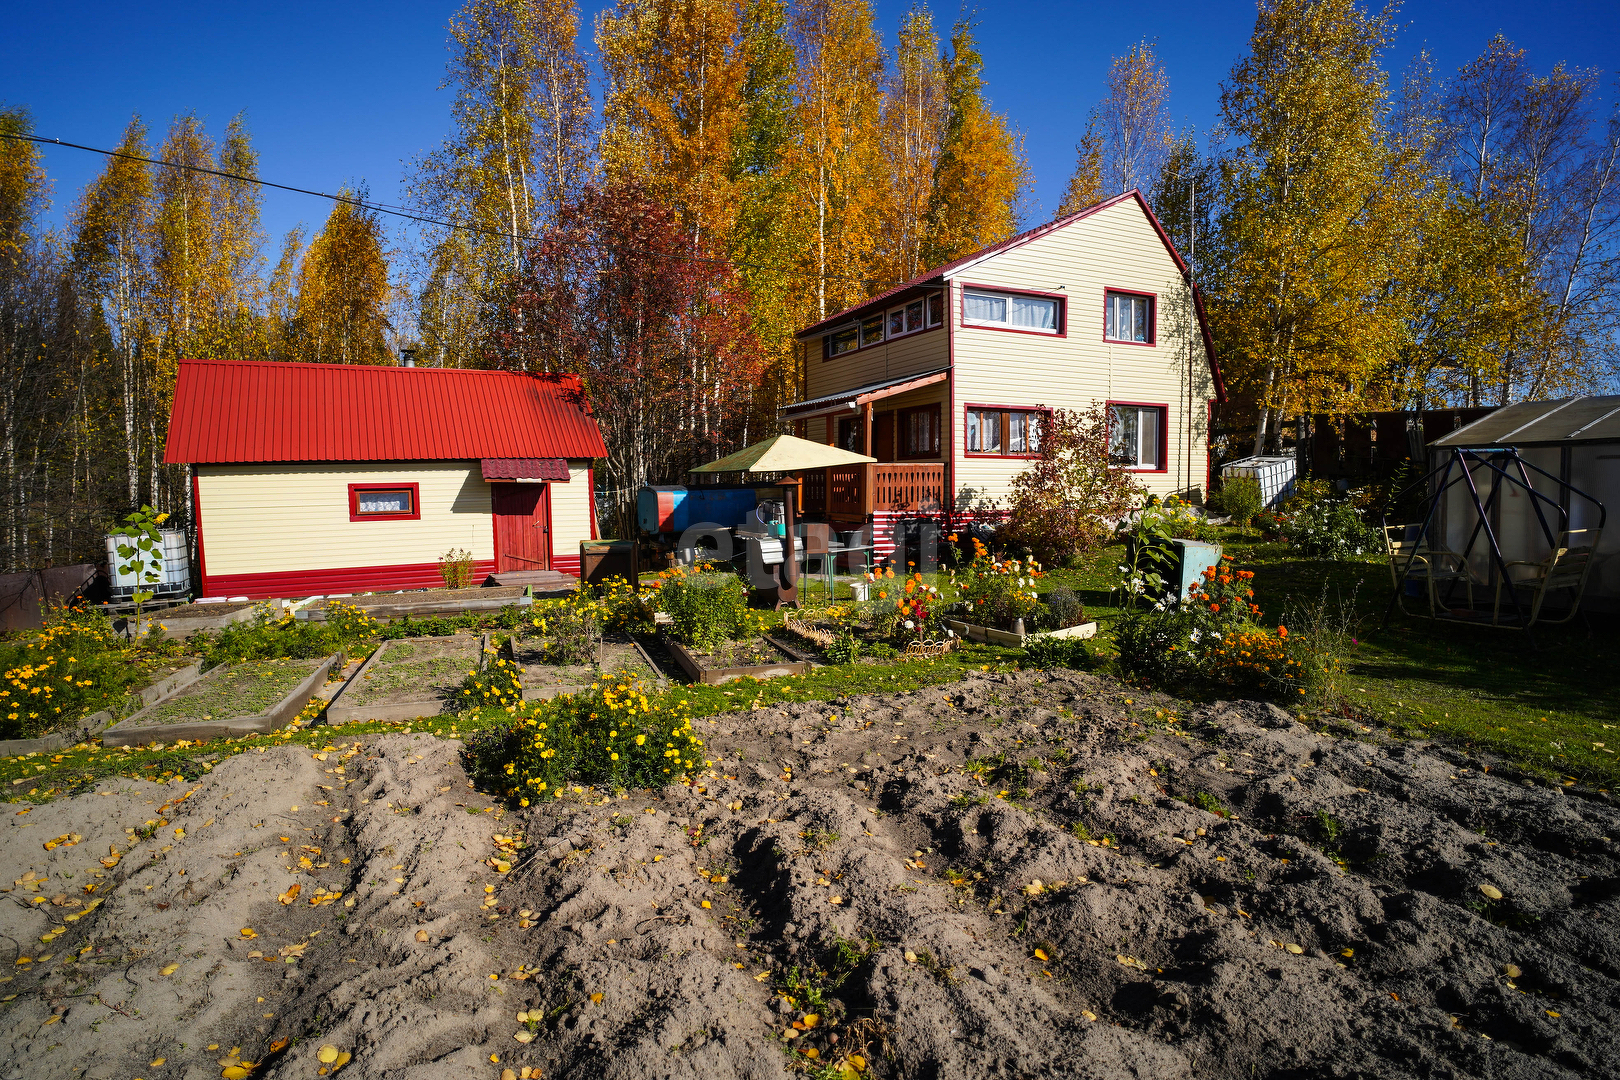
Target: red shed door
pixel 522 526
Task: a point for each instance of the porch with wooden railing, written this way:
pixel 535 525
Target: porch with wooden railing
pixel 856 492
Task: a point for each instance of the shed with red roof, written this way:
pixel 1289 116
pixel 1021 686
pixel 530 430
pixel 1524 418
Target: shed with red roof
pixel 335 478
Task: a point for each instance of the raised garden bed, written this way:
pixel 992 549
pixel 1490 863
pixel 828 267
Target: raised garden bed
pixel 408 678
pixel 184 620
pixel 427 602
pixel 546 679
pixel 990 635
pixel 229 700
pixel 757 659
pixel 167 681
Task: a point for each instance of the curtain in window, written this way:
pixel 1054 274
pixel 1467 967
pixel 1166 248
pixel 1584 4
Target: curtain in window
pixel 1018 433
pixel 1029 313
pixel 1122 435
pixel 385 502
pixel 983 307
pixel 984 431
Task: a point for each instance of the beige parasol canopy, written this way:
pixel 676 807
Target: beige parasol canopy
pixel 783 453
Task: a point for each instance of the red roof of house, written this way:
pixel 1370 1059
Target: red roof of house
pixel 249 410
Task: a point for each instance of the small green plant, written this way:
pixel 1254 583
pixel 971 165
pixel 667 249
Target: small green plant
pixel 1049 652
pixel 1241 499
pixel 1328 829
pixel 844 649
pixel 1205 801
pixel 1078 828
pixel 820 839
pixel 456 568
pixel 140 554
pixel 706 608
pixel 965 801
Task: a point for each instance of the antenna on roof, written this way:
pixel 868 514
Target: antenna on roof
pixel 407 358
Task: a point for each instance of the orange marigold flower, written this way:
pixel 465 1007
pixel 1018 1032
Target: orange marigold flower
pixel 1282 631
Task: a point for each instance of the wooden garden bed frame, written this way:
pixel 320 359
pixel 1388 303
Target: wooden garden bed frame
pixel 692 665
pixel 991 636
pixel 341 712
pixel 278 716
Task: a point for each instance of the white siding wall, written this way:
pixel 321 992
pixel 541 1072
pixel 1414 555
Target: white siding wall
pixel 570 517
pixel 260 519
pixel 1114 248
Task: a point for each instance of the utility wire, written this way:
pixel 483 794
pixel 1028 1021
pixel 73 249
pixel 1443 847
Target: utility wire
pixel 417 216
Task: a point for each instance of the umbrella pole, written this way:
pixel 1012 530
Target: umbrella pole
pixel 790 564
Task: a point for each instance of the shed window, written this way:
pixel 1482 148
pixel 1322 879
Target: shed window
pixel 1129 318
pixel 383 502
pixel 1010 311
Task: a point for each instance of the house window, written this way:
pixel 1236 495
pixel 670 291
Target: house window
pixel 919 432
pixel 849 433
pixel 1136 436
pixel 897 322
pixel 1010 311
pixel 1004 431
pixel 843 341
pixel 871 330
pixel 914 316
pixel 936 309
pixel 384 502
pixel 1129 318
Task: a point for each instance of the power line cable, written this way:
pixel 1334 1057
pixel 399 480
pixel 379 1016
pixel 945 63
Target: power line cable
pixel 416 215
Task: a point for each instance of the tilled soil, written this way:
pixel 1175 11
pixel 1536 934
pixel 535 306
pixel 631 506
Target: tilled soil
pixel 997 878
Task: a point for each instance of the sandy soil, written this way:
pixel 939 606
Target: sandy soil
pixel 846 860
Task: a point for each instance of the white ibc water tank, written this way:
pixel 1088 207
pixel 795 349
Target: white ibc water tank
pixel 1275 475
pixel 174 572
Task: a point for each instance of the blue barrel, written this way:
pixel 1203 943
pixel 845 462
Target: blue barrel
pixel 674 509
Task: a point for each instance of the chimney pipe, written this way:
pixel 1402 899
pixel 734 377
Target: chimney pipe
pixel 407 358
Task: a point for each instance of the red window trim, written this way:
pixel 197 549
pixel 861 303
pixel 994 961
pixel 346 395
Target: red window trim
pixel 1062 315
pixel 355 491
pixel 1153 321
pixel 1164 433
pixel 901 427
pixel 969 406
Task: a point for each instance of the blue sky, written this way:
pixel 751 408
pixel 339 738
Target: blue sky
pixel 337 93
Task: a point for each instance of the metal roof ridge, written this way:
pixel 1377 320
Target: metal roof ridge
pixel 1594 423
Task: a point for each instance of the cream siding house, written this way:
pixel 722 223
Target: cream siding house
pixel 944 379
pixel 316 478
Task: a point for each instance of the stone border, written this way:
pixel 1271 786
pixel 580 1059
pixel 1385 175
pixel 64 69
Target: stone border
pixel 716 676
pixel 126 733
pixel 97 722
pixel 339 713
pixel 991 636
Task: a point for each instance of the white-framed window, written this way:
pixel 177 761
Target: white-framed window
pixel 1010 311
pixel 1129 318
pixel 936 309
pixel 1003 431
pixel 1136 436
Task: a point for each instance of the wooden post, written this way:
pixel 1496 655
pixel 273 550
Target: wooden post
pixel 866 429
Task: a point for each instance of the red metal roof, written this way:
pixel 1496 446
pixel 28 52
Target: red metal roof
pixel 250 410
pixel 524 469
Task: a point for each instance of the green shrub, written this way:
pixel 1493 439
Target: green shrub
pixel 1331 529
pixel 268 639
pixel 610 735
pixel 844 649
pixel 1063 609
pixel 1240 498
pixel 1049 652
pixel 456 568
pixel 707 608
pixel 568 630
pixel 74 666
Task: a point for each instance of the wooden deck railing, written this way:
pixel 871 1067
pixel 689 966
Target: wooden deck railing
pixel 855 492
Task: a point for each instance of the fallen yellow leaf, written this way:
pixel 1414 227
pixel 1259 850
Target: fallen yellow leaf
pixel 811 1019
pixel 1040 954
pixel 291 894
pixel 155 1062
pixel 170 969
pixel 327 1054
pixel 234 1072
pixel 596 999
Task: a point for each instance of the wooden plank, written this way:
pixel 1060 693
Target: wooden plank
pixel 717 676
pixel 275 718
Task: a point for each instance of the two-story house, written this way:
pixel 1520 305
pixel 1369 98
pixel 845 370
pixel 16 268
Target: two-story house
pixel 944 379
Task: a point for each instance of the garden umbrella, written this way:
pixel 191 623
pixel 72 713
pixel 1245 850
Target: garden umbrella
pixel 783 453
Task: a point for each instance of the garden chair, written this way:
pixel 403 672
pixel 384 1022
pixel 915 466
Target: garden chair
pixel 1431 566
pixel 1565 569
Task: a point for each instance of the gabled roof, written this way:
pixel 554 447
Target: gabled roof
pixel 263 411
pixel 940 274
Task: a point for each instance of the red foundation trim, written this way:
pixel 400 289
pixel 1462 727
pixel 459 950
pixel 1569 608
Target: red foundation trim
pixel 341 579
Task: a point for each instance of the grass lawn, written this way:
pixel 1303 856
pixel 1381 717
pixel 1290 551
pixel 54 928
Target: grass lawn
pixel 1553 708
